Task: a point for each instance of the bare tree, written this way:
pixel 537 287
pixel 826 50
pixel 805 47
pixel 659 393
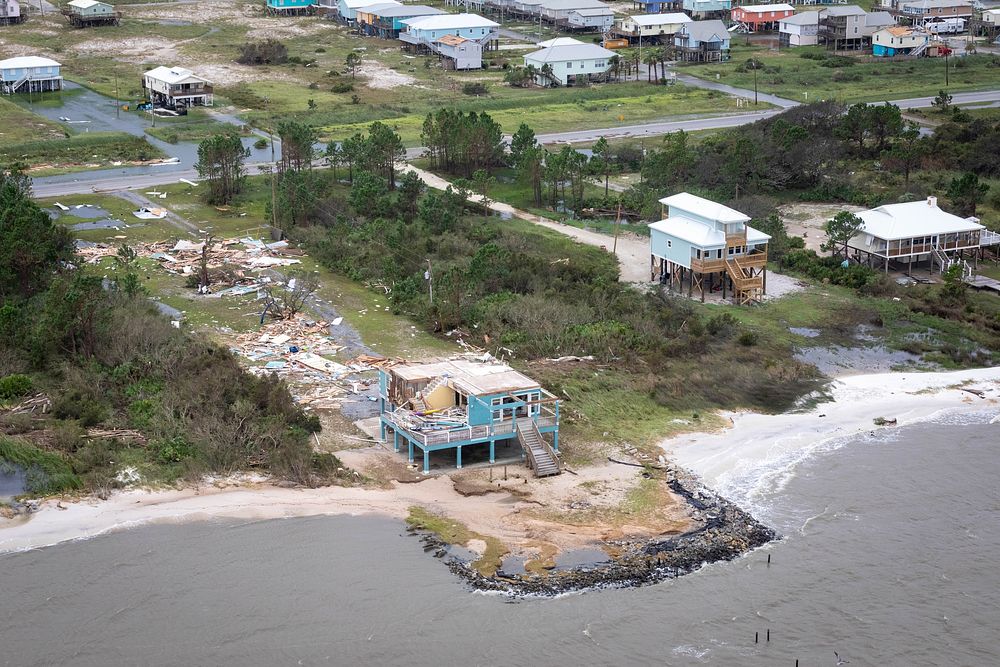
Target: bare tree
pixel 288 299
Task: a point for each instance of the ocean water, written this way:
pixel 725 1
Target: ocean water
pixel 889 557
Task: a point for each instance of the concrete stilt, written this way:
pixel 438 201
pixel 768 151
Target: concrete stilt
pixel 411 450
pixel 493 457
pixel 458 456
pixel 395 441
pixel 427 461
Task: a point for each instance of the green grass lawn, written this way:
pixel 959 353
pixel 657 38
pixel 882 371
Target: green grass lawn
pixel 18 125
pixel 196 126
pixel 79 152
pixel 789 75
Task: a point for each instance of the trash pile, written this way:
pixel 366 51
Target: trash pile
pixel 228 260
pixel 297 350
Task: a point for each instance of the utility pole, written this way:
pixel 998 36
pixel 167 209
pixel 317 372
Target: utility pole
pixel 618 224
pixel 274 167
pixel 755 82
pixel 429 277
pixel 946 68
pixel 117 102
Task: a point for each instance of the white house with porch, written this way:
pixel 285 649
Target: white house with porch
pixel 710 246
pixel 570 62
pixel 906 234
pixel 177 87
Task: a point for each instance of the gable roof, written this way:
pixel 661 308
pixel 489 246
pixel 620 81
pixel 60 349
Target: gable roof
pixel 450 22
pixel 84 4
pixel 757 9
pixel 844 10
pixel 705 31
pixel 658 19
pixel 705 208
pixel 878 19
pixel 913 219
pixel 25 62
pixel 172 75
pixel 559 41
pixel 569 52
pixel 802 18
pixel 593 11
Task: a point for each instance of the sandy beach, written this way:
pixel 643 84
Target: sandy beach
pixel 758 450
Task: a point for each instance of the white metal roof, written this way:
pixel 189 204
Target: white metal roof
pixel 695 233
pixel 705 208
pixel 658 19
pixel 24 62
pixel 572 4
pixel 173 75
pixel 450 22
pixel 780 7
pixel 559 41
pixel 84 4
pixel 379 7
pixel 702 235
pixel 802 18
pixel 358 4
pixel 593 11
pixel 569 52
pixel 913 219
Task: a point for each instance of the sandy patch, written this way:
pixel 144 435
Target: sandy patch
pixel 136 49
pixel 381 77
pixel 807 220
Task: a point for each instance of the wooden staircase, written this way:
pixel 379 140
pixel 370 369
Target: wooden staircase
pixel 747 288
pixel 541 457
pixel 417 403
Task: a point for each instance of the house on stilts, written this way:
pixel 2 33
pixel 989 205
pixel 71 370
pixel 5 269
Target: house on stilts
pixel 709 247
pixel 905 235
pixel 29 74
pixel 10 12
pixel 89 13
pixel 452 405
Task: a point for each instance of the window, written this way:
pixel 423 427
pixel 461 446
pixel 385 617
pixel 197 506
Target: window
pixel 569 65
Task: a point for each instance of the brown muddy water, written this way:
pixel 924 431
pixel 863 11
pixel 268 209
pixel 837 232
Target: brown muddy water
pixel 889 557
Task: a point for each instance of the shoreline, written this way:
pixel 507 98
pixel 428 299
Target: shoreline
pixel 718 476
pixel 759 452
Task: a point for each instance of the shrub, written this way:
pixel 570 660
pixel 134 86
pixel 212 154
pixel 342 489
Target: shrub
pixel 173 450
pixel 837 61
pixel 266 52
pixel 342 87
pixel 722 325
pixel 748 338
pixel 475 88
pixel 260 143
pixel 14 386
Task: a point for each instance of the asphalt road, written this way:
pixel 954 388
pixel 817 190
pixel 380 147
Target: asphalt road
pixel 83 184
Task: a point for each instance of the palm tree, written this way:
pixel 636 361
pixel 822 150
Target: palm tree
pixel 649 60
pixel 615 62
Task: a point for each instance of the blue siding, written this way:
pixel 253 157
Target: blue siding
pixel 287 4
pixel 669 248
